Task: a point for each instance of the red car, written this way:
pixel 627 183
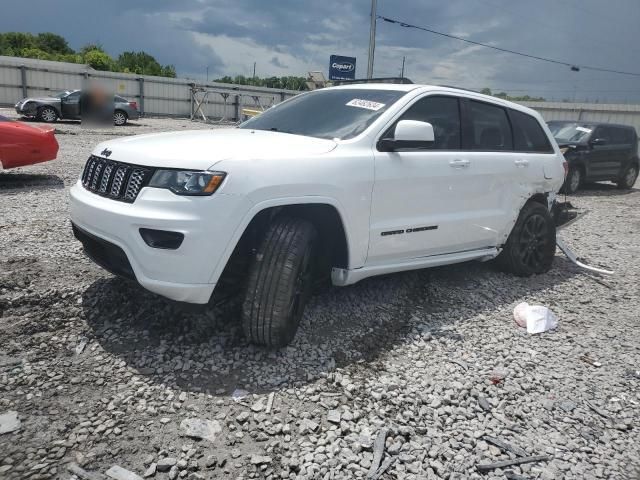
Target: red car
pixel 22 144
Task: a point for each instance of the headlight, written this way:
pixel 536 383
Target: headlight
pixel 187 182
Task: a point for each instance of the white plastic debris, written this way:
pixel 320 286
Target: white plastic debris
pixel 535 318
pixel 239 394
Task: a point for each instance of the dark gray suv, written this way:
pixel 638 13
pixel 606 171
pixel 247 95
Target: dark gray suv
pixel 66 105
pixel 597 151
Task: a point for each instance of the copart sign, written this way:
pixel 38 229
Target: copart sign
pixel 342 68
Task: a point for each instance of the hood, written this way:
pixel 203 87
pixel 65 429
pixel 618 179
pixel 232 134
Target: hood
pixel 201 149
pixel 40 100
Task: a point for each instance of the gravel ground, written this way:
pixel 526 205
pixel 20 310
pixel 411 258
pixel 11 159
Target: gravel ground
pixel 102 373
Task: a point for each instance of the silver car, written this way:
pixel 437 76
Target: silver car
pixel 66 105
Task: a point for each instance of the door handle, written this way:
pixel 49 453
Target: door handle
pixel 459 163
pixel 521 163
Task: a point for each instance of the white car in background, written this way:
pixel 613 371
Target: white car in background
pixel 345 183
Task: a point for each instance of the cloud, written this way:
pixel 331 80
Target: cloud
pixel 292 37
pixel 275 61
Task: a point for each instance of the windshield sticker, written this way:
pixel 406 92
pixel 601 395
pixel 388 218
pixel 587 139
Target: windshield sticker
pixel 368 104
pixel 582 129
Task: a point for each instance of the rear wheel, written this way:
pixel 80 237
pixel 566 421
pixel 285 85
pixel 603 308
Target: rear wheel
pixel 531 245
pixel 280 282
pixel 119 118
pixel 47 114
pixel 573 180
pixel 629 177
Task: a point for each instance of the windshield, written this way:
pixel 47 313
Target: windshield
pixel 570 132
pixel 331 113
pixel 61 94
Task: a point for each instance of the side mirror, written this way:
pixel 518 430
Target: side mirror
pixel 408 134
pixel 598 141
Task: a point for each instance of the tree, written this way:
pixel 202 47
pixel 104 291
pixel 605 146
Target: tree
pixel 52 43
pixel 486 91
pixel 98 60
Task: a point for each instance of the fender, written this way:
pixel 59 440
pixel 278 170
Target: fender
pixel 281 202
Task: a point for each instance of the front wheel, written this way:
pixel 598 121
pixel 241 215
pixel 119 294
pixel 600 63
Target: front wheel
pixel 531 245
pixel 629 178
pixel 47 114
pixel 280 281
pixel 573 181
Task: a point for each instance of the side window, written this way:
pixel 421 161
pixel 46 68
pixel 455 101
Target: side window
pixel 490 126
pixel 528 135
pixel 603 133
pixel 619 136
pixel 73 96
pixel 444 114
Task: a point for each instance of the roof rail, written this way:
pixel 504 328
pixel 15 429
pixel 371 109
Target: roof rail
pixel 459 88
pixel 402 80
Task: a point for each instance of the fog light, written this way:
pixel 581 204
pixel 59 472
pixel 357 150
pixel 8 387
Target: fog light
pixel 162 238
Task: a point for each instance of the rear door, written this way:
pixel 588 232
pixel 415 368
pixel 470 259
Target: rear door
pixel 535 155
pixel 623 140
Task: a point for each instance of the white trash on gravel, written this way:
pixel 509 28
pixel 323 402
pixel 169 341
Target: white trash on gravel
pixel 535 318
pixel 9 422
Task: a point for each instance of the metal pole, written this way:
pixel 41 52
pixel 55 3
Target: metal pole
pixel 207 73
pixel 254 70
pixel 402 73
pixel 372 38
pixel 141 85
pixel 23 79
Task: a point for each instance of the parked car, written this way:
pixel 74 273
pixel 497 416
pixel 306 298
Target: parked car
pixel 597 151
pixel 66 105
pixel 22 144
pixel 346 182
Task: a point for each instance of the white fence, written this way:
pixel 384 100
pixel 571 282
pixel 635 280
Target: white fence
pixel 24 77
pixel 589 112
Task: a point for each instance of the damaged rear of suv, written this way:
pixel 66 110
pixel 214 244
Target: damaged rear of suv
pixel 342 183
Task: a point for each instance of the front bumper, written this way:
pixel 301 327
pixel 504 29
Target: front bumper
pixel 27 112
pixel 110 232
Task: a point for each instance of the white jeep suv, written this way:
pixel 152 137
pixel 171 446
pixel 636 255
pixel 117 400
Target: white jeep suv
pixel 345 182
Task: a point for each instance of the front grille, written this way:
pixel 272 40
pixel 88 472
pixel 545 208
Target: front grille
pixel 115 180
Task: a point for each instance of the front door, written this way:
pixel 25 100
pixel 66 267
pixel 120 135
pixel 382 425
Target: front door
pixel 603 155
pixel 446 197
pixel 71 106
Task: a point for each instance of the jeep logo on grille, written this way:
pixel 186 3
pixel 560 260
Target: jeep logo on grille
pixel 343 67
pixel 106 152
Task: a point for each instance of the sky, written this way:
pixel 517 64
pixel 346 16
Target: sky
pixel 293 37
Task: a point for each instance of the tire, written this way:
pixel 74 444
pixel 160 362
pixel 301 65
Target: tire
pixel 47 114
pixel 120 118
pixel 629 178
pixel 531 246
pixel 573 181
pixel 280 282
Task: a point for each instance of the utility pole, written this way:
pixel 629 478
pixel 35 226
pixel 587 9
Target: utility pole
pixel 402 73
pixel 254 70
pixel 207 73
pixel 372 38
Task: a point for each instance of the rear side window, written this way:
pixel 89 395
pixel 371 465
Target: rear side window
pixel 443 114
pixel 621 136
pixel 528 135
pixel 491 130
